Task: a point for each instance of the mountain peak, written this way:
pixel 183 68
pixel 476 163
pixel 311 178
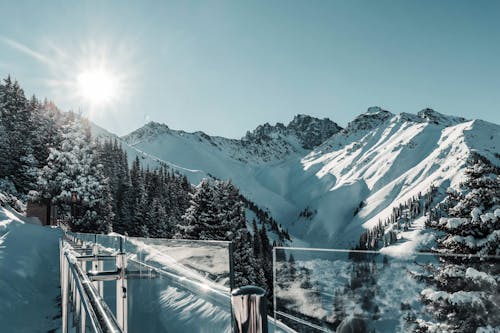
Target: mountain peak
pixel 372 118
pixel 439 118
pixel 374 110
pixel 310 131
pixel 147 131
pixel 155 125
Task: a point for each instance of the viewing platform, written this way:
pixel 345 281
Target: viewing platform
pixel 128 284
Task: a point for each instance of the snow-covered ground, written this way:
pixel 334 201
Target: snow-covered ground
pixel 29 275
pixel 416 239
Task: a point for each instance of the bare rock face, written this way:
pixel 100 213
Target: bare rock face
pixel 310 131
pixel 372 118
pixel 438 118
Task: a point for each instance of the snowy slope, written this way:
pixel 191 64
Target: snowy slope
pixel 263 164
pixel 147 159
pixel 29 275
pixel 391 163
pixel 379 158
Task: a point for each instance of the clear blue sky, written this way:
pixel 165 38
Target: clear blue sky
pixel 226 66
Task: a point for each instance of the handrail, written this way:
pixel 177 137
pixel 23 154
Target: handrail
pixel 101 317
pixel 85 298
pixel 83 248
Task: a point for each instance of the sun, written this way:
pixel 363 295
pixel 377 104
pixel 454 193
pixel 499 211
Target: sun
pixel 97 86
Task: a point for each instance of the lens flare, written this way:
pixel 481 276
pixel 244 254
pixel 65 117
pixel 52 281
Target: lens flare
pixel 97 86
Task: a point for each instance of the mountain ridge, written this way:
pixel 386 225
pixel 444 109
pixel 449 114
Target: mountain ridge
pixel 379 158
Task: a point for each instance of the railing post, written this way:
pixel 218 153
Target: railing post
pixel 249 308
pixel 82 321
pixel 231 266
pixel 73 299
pixel 121 289
pixel 98 266
pixel 274 284
pixel 64 290
pixel 77 309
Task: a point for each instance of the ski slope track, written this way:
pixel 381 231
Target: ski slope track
pixel 380 159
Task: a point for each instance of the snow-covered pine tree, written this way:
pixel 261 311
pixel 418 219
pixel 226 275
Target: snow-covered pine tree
pixel 248 269
pixel 16 120
pixel 137 201
pixel 115 167
pixel 464 290
pixel 214 212
pixel 74 168
pixel 201 215
pixel 29 173
pixel 4 151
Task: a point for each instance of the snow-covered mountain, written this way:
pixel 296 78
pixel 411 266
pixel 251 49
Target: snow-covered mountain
pixel 382 160
pixel 265 144
pixel 324 183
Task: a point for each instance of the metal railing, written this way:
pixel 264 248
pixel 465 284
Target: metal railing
pixel 102 270
pixel 80 297
pixel 112 283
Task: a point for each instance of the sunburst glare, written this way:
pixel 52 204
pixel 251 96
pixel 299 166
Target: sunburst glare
pixel 95 76
pixel 97 86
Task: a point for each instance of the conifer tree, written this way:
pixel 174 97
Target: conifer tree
pixel 471 225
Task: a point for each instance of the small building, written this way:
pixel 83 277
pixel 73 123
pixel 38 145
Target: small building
pixel 44 210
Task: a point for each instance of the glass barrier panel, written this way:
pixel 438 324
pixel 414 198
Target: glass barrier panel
pixel 319 290
pixel 178 285
pixel 86 238
pixel 110 244
pixel 171 285
pixel 202 261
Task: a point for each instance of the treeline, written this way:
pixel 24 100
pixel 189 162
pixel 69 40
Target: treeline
pixel 146 203
pixel 266 219
pixel 162 203
pixel 386 232
pixel 49 156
